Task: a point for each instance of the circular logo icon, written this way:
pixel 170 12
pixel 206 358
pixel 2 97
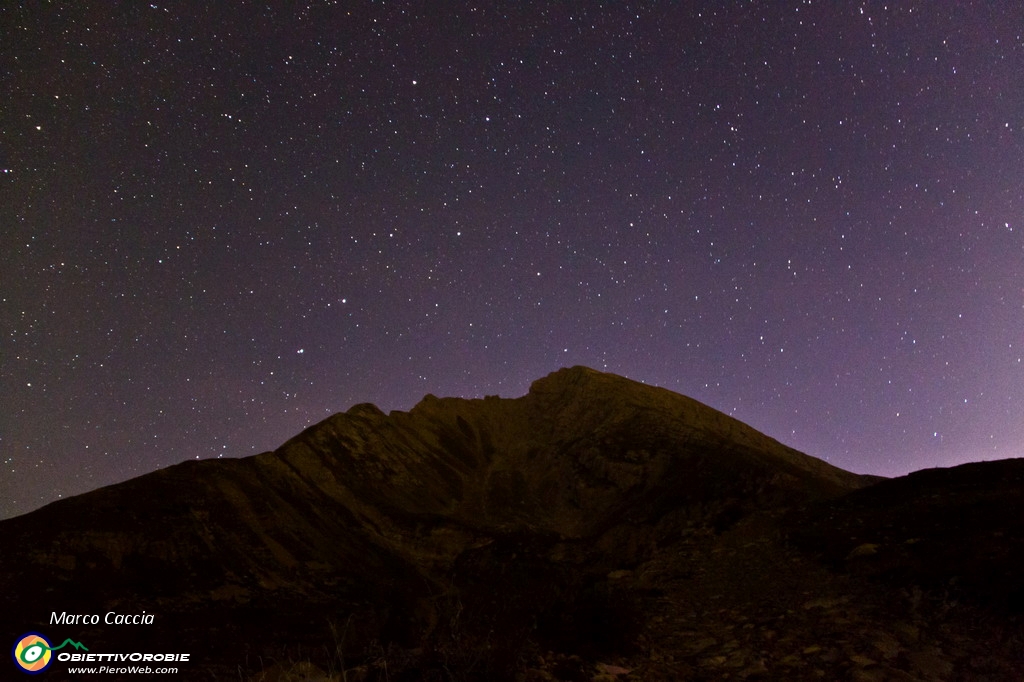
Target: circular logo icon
pixel 32 653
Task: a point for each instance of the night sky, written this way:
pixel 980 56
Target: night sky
pixel 221 222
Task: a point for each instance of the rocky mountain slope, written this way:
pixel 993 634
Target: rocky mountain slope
pixel 595 528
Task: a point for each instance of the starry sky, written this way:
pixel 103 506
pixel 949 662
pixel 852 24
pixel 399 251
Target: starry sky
pixel 221 222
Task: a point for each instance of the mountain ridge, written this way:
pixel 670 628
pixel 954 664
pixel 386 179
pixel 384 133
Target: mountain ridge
pixel 557 519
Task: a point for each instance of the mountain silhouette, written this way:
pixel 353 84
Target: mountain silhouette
pixel 594 529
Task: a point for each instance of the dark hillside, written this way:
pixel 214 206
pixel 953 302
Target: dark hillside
pixel 593 526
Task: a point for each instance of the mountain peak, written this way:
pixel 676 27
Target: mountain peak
pixel 579 378
pixel 568 376
pixel 552 520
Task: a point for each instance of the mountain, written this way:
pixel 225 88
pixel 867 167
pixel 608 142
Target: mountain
pixel 593 529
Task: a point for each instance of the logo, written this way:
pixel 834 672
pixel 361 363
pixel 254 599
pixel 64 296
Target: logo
pixel 32 653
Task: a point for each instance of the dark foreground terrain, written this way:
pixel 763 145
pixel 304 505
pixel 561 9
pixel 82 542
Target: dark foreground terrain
pixel 594 529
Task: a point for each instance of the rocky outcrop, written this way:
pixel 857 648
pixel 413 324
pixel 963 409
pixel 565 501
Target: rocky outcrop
pixel 592 522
